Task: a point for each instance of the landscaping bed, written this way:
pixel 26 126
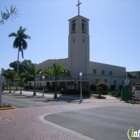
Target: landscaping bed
pixel 6 107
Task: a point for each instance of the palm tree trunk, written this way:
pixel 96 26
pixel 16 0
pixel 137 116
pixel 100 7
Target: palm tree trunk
pixel 21 90
pixel 34 93
pixel 10 88
pixel 17 68
pixel 18 62
pixel 55 90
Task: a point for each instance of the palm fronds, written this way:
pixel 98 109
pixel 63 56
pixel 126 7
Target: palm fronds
pixel 12 13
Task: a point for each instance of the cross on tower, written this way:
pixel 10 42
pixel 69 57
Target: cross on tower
pixel 78 6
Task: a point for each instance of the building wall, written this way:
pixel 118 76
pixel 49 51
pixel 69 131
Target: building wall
pixel 78 46
pixel 49 63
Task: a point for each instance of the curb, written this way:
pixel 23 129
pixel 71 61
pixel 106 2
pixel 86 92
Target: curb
pixel 7 108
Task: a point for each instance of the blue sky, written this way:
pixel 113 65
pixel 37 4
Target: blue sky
pixel 114 30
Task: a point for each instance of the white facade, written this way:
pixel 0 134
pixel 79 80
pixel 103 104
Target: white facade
pixel 78 59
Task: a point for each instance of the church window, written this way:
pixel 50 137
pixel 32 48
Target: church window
pixel 83 26
pixel 73 27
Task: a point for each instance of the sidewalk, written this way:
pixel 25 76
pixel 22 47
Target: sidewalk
pixel 109 99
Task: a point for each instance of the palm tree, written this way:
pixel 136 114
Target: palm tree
pixel 58 71
pixel 34 74
pixel 13 13
pixel 20 42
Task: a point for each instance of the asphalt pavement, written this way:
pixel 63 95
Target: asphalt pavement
pixel 102 123
pixel 96 119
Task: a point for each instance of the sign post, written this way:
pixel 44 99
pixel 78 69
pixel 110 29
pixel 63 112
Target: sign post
pixel 1 81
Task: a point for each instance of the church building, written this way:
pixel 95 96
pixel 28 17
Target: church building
pixel 78 61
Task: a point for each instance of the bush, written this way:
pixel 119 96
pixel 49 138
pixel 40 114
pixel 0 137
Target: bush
pixel 113 87
pixel 103 85
pixel 39 88
pixel 27 87
pixel 120 87
pixel 63 90
pixel 92 87
pixel 115 93
pixel 75 92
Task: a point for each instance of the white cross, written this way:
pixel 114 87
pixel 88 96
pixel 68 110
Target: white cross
pixel 78 6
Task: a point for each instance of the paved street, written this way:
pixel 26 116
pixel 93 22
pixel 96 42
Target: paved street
pixel 27 100
pixel 92 120
pixel 103 123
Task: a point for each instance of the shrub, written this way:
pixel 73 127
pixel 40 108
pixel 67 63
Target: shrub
pixel 28 87
pixel 120 87
pixel 103 85
pixel 92 87
pixel 113 87
pixel 63 90
pixel 115 93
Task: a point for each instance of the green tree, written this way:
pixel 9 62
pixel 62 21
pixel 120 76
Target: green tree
pixel 58 71
pixel 9 76
pixel 32 72
pixel 20 43
pixel 23 68
pixel 12 13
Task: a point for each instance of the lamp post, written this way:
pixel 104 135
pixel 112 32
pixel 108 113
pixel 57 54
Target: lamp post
pixel 80 74
pixel 43 77
pixel 1 80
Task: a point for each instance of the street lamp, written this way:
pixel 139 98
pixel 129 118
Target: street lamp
pixel 1 80
pixel 43 77
pixel 80 74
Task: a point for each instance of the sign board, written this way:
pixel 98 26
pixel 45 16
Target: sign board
pixel 71 87
pixel 126 81
pixel 137 93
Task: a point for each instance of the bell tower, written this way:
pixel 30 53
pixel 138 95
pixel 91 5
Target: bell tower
pixel 78 44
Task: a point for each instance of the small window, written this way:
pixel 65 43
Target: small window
pixel 105 80
pixel 73 40
pixel 83 41
pixel 103 72
pixel 115 82
pixel 110 72
pixel 96 81
pixel 94 71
